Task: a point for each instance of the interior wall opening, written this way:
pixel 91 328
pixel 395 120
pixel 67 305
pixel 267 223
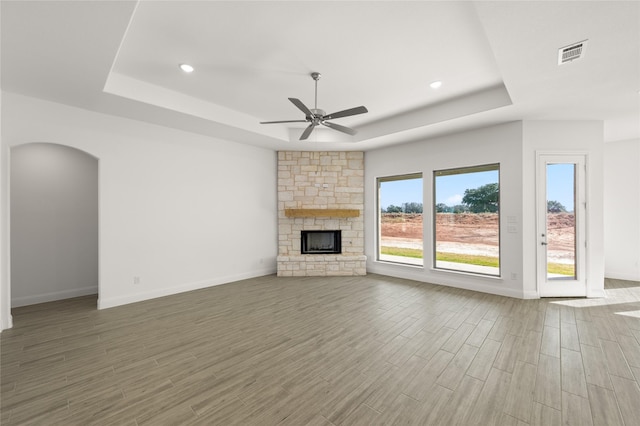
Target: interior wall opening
pixel 53 224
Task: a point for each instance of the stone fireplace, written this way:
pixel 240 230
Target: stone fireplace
pixel 320 191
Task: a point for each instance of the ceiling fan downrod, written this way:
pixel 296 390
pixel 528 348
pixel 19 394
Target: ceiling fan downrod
pixel 316 76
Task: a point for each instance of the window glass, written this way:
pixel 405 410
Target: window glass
pixel 400 219
pixel 467 219
pixel 561 221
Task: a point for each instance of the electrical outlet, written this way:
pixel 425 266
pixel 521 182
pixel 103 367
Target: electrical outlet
pixel 136 280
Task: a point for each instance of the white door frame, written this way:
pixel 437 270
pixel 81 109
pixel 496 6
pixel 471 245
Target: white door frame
pixel 562 287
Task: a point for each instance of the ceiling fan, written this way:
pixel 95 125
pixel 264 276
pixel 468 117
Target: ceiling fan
pixel 317 116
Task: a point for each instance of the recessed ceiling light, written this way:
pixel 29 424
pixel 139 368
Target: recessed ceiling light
pixel 436 84
pixel 186 67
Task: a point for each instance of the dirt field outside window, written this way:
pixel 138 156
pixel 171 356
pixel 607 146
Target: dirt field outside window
pixel 470 233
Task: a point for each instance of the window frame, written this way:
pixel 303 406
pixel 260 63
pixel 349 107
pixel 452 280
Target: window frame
pixel 458 171
pixel 393 178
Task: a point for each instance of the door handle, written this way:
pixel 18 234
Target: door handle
pixel 543 243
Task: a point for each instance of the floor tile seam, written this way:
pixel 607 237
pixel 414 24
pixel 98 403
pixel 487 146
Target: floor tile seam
pixel 575 394
pixel 587 344
pixel 618 404
pixel 63 387
pixel 371 408
pixel 409 396
pixel 625 378
pixel 206 412
pixel 601 387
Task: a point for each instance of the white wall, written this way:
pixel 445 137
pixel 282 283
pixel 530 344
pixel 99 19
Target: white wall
pixel 178 210
pixel 499 144
pixel 622 209
pixel 54 223
pixel 565 137
pixel 514 146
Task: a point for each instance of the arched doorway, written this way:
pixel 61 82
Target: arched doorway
pixel 53 223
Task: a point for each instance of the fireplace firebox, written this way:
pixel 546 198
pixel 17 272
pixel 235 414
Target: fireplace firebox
pixel 321 242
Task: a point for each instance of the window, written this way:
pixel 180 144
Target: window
pixel 400 219
pixel 467 219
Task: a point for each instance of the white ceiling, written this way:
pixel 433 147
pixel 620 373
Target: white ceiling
pixel 497 62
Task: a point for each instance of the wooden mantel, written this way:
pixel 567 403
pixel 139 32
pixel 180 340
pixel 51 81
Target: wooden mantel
pixel 321 212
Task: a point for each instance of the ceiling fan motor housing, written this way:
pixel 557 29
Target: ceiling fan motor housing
pixel 316 116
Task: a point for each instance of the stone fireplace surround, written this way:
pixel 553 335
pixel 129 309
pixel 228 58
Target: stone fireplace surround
pixel 320 191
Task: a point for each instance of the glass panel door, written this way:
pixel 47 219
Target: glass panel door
pixel 561 231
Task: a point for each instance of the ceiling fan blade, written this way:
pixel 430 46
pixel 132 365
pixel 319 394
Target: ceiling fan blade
pixel 285 121
pixel 340 128
pixel 307 131
pixel 346 113
pixel 302 107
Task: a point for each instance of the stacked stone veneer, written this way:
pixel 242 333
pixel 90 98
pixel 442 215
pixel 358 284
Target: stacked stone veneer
pixel 320 180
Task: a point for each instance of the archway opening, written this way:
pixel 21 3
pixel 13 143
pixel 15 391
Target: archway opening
pixel 53 224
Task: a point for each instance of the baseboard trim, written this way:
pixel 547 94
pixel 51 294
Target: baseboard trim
pixel 52 297
pixel 621 276
pixel 530 294
pixel 6 324
pixel 105 303
pixel 418 274
pixel 594 294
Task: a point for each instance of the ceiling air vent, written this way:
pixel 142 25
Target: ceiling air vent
pixel 572 52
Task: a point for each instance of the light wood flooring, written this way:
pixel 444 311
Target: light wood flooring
pixel 369 350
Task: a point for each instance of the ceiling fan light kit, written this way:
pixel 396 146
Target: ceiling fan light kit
pixel 315 116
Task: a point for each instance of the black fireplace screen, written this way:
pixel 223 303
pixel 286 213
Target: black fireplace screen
pixel 321 242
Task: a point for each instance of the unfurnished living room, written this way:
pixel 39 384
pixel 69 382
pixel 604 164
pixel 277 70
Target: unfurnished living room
pixel 320 213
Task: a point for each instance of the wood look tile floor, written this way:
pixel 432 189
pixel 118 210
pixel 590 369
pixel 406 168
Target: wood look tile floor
pixel 326 351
